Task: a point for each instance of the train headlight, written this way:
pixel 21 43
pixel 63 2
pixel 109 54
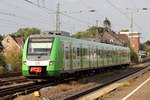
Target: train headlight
pixel 51 63
pixel 25 62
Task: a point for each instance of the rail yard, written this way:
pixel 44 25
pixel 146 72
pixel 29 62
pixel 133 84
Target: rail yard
pixel 83 86
pixel 74 50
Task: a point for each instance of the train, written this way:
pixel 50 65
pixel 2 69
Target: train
pixel 48 55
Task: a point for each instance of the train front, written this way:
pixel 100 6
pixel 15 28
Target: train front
pixel 36 56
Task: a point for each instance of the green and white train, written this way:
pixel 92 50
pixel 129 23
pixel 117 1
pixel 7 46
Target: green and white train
pixel 50 56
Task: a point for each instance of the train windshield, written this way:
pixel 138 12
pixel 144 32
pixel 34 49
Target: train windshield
pixel 39 46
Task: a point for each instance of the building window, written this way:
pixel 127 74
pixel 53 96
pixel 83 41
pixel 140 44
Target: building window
pixel 133 45
pixel 8 40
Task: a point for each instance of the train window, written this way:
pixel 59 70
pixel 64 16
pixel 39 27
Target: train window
pixel 78 52
pixel 81 52
pixel 70 53
pixel 74 53
pixel 67 52
pixel 89 52
pixel 86 52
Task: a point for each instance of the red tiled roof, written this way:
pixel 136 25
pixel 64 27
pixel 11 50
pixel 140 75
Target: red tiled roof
pixel 19 40
pixel 123 37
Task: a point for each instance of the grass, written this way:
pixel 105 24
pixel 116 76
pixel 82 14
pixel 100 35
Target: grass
pixel 112 93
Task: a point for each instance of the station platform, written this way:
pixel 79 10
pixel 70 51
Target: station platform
pixel 139 89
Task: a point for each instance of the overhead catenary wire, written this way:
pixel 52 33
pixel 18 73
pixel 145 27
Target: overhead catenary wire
pixel 126 16
pixel 79 20
pixel 44 8
pixel 87 7
pixel 28 18
pixel 54 12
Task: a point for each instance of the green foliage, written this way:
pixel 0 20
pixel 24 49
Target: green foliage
pixel 92 32
pixel 2 60
pixel 107 24
pixel 25 32
pixel 124 30
pixel 1 37
pixel 147 42
pixel 15 61
pixel 133 56
pixel 2 64
pixel 143 47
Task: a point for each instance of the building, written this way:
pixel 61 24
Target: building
pixel 124 37
pixel 12 44
pixel 134 40
pixel 112 38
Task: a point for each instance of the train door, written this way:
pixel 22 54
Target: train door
pixel 94 57
pixel 113 58
pixel 74 57
pixel 66 56
pixel 83 57
pixel 110 57
pixel 103 56
pixel 78 56
pixel 97 56
pixel 90 56
pixel 100 57
pixel 87 57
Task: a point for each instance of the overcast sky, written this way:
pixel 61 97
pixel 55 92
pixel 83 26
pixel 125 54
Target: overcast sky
pixel 15 14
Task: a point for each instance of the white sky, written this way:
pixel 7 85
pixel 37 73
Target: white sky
pixel 22 14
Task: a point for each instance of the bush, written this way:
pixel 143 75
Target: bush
pixel 133 56
pixel 15 61
pixel 2 60
pixel 3 69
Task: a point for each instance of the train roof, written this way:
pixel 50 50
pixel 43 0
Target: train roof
pixel 78 41
pixel 108 46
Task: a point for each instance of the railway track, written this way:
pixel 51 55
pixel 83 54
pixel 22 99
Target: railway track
pixel 11 74
pixel 88 88
pixel 11 91
pixel 13 80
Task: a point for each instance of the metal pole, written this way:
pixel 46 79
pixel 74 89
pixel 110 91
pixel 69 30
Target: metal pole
pixel 131 22
pixel 38 3
pixel 57 19
pixel 131 29
pixel 96 23
pixel 43 3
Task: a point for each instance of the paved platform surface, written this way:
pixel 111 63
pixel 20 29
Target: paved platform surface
pixel 135 91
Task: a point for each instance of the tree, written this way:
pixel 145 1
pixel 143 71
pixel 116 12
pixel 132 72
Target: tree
pixel 133 56
pixel 124 30
pixel 143 47
pixel 25 32
pixel 91 32
pixel 15 61
pixel 95 30
pixel 147 43
pixel 2 60
pixel 107 24
pixel 1 37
